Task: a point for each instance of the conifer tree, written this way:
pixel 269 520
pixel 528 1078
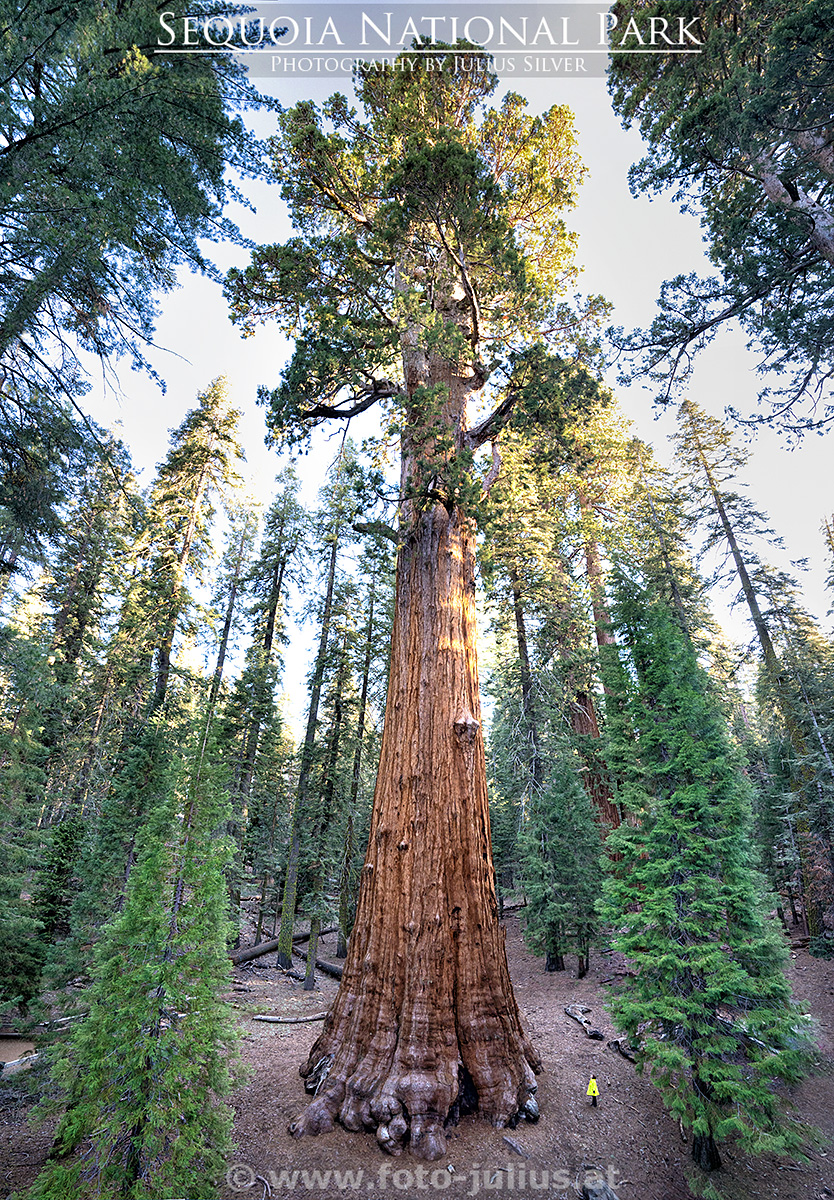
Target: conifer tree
pixel 251 714
pixel 430 240
pixel 376 594
pixel 23 690
pixel 710 462
pixel 561 853
pixel 741 130
pixel 42 450
pixel 94 224
pixel 333 523
pixel 708 1004
pixel 200 464
pixel 171 540
pixel 828 526
pixel 144 1072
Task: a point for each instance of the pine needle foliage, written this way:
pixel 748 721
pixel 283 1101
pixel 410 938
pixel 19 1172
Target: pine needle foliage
pixel 561 851
pixel 145 1072
pixel 708 1003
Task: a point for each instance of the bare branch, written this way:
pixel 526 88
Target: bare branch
pixel 494 470
pixel 381 389
pixel 489 429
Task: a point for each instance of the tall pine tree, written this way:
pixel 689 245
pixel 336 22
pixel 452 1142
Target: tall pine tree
pixel 708 1003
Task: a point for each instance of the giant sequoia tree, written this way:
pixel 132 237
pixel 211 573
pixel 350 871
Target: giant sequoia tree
pixel 430 237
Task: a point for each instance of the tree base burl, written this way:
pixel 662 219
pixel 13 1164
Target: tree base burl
pixel 399 1127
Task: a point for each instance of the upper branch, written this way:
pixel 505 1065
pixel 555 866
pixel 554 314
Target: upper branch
pixel 380 389
pixel 488 429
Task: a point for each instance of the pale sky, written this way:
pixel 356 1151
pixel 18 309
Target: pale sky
pixel 627 247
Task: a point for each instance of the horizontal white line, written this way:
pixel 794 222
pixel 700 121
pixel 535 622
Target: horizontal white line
pixel 457 53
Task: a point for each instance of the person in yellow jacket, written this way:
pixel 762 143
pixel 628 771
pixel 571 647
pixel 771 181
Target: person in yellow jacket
pixel 593 1091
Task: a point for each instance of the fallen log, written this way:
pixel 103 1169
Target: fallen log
pixel 325 968
pixel 20 1064
pixel 290 1020
pixel 623 1047
pixel 242 956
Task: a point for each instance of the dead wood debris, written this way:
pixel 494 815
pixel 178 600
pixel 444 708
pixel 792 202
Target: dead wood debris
pixel 289 1020
pixel 577 1013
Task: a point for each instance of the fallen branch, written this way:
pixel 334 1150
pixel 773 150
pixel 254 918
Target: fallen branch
pixel 576 1012
pixel 517 1146
pixel 20 1064
pixel 290 1020
pixel 622 1047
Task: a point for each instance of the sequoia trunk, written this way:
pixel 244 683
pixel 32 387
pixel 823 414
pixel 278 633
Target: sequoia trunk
pixel 426 1003
pixel 425 1024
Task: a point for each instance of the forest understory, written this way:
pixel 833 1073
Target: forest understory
pixel 629 1134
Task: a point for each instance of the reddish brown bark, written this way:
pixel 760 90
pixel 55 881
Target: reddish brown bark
pixel 425 1024
pixel 527 700
pixel 584 723
pixel 426 998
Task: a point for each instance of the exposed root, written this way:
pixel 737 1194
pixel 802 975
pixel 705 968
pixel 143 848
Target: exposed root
pixel 411 1110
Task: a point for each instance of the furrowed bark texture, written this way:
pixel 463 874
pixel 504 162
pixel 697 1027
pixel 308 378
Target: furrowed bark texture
pixel 426 997
pixel 425 1024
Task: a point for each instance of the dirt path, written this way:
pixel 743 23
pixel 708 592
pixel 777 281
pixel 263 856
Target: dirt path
pixel 628 1138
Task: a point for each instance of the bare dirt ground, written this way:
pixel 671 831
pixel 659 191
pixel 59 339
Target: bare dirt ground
pixel 629 1139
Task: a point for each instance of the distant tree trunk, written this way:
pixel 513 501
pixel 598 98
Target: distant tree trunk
pixel 237 819
pixel 582 710
pixel 318 834
pixel 227 623
pixel 260 707
pixel 705 1152
pixel 584 724
pixel 347 851
pixel 527 700
pixel 813 915
pixel 10 547
pixel 425 1018
pixel 596 584
pixel 554 961
pixel 310 974
pixel 291 877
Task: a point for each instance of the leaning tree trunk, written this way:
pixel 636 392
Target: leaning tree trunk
pixel 425 1024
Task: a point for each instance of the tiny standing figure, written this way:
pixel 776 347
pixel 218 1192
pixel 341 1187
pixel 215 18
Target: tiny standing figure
pixel 593 1091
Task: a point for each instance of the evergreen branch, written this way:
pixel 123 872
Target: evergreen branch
pixel 358 218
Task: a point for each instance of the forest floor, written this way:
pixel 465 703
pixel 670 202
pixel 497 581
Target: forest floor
pixel 628 1139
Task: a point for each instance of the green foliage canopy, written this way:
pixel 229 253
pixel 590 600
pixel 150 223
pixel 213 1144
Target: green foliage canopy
pixel 416 207
pixel 742 132
pixel 112 160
